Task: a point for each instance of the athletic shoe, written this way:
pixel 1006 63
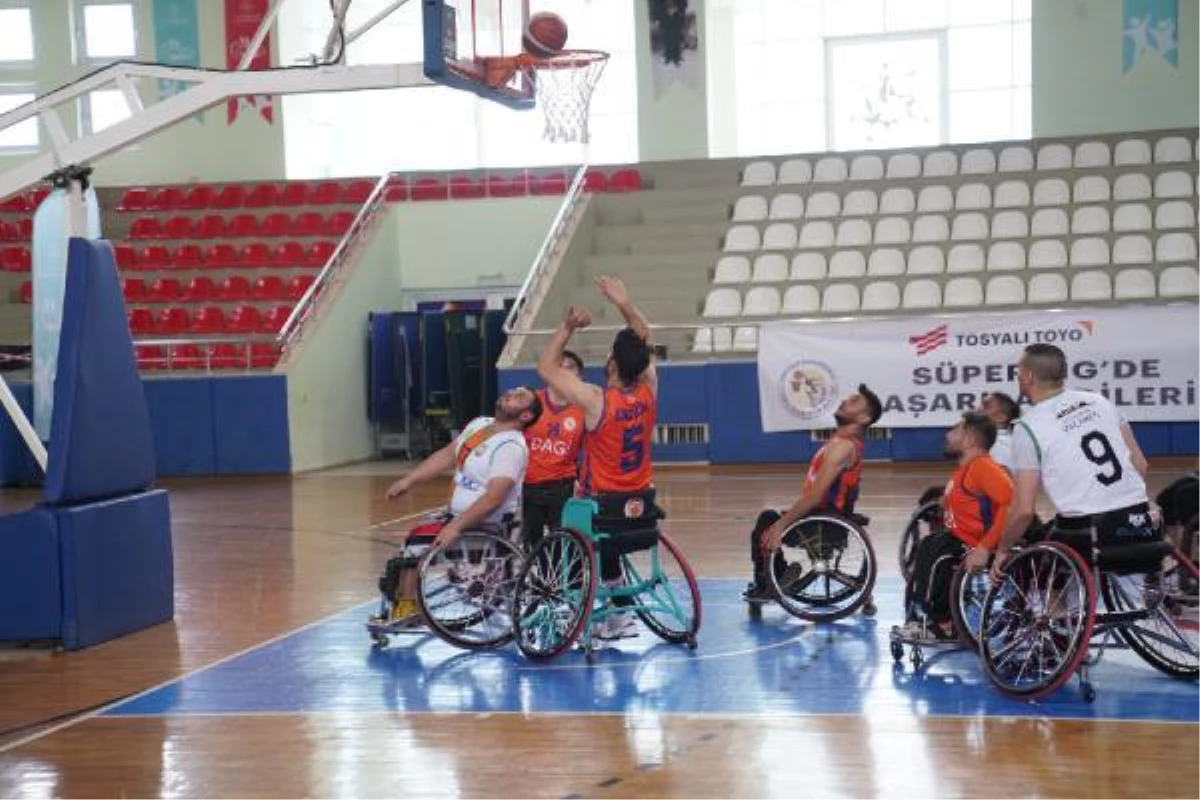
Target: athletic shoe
pixel 756 593
pixel 619 625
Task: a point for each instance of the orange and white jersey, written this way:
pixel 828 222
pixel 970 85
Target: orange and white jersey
pixel 554 442
pixel 616 455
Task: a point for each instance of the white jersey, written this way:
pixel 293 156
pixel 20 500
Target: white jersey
pixel 1001 451
pixel 1075 439
pixel 501 455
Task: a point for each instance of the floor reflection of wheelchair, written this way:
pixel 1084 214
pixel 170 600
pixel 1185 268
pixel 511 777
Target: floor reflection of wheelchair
pixel 558 596
pixel 1040 622
pixel 968 590
pixel 824 569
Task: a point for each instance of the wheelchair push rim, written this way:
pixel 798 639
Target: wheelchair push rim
pixel 466 590
pixel 824 569
pixel 923 521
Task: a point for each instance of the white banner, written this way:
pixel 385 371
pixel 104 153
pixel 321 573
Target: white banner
pixel 927 371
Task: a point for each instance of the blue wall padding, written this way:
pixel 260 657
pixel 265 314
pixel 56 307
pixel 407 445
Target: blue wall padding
pixel 30 578
pixel 251 425
pixel 725 395
pixel 181 412
pixel 118 572
pixel 17 465
pixel 100 440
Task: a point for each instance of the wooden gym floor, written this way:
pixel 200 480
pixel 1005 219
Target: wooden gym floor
pixel 266 684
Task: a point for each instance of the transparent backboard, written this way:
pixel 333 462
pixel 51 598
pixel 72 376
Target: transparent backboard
pixel 459 34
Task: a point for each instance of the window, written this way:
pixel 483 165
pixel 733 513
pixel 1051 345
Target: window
pixel 102 109
pixel 107 30
pixel 23 135
pixel 16 34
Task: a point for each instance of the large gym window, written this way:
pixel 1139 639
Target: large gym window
pixel 16 34
pixel 103 108
pixel 23 135
pixel 107 31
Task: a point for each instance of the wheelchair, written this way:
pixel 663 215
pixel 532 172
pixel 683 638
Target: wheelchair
pixel 558 596
pixel 926 519
pixel 824 569
pixel 968 590
pixel 463 590
pixel 1040 624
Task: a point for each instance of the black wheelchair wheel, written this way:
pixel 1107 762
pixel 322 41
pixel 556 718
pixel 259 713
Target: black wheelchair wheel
pixel 924 521
pixel 824 569
pixel 1167 638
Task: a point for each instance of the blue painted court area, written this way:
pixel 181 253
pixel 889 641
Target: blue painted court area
pixel 778 666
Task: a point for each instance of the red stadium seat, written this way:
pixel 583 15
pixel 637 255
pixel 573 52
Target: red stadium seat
pixel 429 189
pixel 209 319
pixel 141 321
pixel 178 228
pixel 134 290
pixel 550 184
pixel 189 256
pixel 293 193
pixel 166 199
pixel 187 356
pixel 197 198
pixel 24 229
pixel 263 355
pixel 8 233
pixel 17 204
pixel 152 258
pixel 625 180
pixel 288 255
pixel 173 320
pixel 464 187
pixel 229 197
pixel 243 226
pixel 228 355
pixel 275 225
pixel 595 181
pixel 356 192
pixel 210 226
pixel 319 254
pixel 264 195
pixel 37 196
pixel 151 356
pixel 273 320
pixel 26 291
pixel 397 191
pixel 309 223
pixel 298 285
pixel 200 290
pixel 164 290
pixel 125 255
pixel 268 287
pixel 325 193
pixel 16 259
pixel 244 319
pixel 338 224
pixel 255 255
pixel 136 199
pixel 145 228
pixel 220 256
pixel 235 288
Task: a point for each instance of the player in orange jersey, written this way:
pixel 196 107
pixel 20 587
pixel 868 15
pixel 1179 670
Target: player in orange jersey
pixel 554 442
pixel 831 484
pixel 619 418
pixel 975 510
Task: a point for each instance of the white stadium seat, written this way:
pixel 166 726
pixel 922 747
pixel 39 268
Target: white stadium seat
pixel 903 165
pixel 973 196
pixel 935 199
pixel 750 208
pixel 786 206
pixel 1132 217
pixel 853 233
pixel 1051 192
pixel 1174 184
pixel 930 228
pixel 723 303
pixel 940 164
pixel 1048 287
pixel 897 201
pixel 702 342
pixel 770 268
pixel 1005 290
pixel 969 226
pixel 1089 252
pixel 840 298
pixel 722 339
pixel 779 236
pixel 1133 249
pixel 886 262
pixel 1178 282
pixel 816 234
pixel 732 269
pixel 1175 214
pixel 1016 159
pixel 922 293
pixel 892 230
pixel 1091 189
pixel 962 293
pixel 1005 257
pixel 1091 286
pixel 1175 247
pixel 1054 156
pixel 1010 225
pixel 978 162
pixel 830 169
pixel 965 258
pixel 1047 254
pixel 866 168
pixel 1090 155
pixel 761 301
pixel 847 264
pixel 1132 186
pixel 1049 222
pixel 1089 219
pixel 881 296
pixel 823 204
pixel 745 339
pixel 1173 148
pixel 741 238
pixel 758 173
pixel 795 170
pixel 860 203
pixel 808 267
pixel 1011 194
pixel 926 260
pixel 801 300
pixel 1131 151
pixel 1136 283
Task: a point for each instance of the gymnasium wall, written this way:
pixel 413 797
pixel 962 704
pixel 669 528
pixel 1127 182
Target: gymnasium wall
pixel 205 149
pixel 1078 82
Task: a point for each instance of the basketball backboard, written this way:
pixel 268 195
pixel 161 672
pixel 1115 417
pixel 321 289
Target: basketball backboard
pixel 459 34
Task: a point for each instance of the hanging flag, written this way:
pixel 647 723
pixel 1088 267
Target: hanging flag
pixel 242 18
pixel 176 41
pixel 1149 29
pixel 674 45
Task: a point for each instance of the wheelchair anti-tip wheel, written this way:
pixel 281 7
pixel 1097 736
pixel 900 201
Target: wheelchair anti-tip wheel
pixel 466 590
pixel 824 569
pixel 554 594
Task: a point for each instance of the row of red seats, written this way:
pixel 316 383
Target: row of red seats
pixel 177 320
pixel 263 195
pixel 18 231
pixel 234 289
pixel 223 355
pixel 24 202
pixel 466 187
pixel 242 226
pixel 289 255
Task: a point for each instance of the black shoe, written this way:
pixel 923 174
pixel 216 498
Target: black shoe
pixel 756 593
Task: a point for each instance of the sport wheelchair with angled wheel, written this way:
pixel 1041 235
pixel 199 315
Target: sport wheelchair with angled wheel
pixel 967 591
pixel 824 569
pixel 559 598
pixel 1040 621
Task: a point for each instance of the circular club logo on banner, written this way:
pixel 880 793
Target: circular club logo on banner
pixel 808 389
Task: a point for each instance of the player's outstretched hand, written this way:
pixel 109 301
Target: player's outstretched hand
pixel 612 289
pixel 577 318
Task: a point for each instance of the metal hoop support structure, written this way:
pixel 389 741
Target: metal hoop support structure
pixel 562 83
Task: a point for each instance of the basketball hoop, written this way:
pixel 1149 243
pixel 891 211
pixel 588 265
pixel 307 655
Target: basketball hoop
pixel 563 85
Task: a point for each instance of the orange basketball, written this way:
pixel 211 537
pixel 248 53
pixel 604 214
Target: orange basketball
pixel 545 35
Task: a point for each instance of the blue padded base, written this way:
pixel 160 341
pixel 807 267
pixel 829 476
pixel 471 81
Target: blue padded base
pixel 117 567
pixel 30 585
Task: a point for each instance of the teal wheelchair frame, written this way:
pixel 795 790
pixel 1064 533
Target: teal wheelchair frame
pixel 559 597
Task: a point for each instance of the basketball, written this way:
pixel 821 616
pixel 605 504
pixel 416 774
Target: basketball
pixel 545 35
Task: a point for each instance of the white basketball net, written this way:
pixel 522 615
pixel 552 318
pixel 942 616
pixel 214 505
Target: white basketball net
pixel 564 85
